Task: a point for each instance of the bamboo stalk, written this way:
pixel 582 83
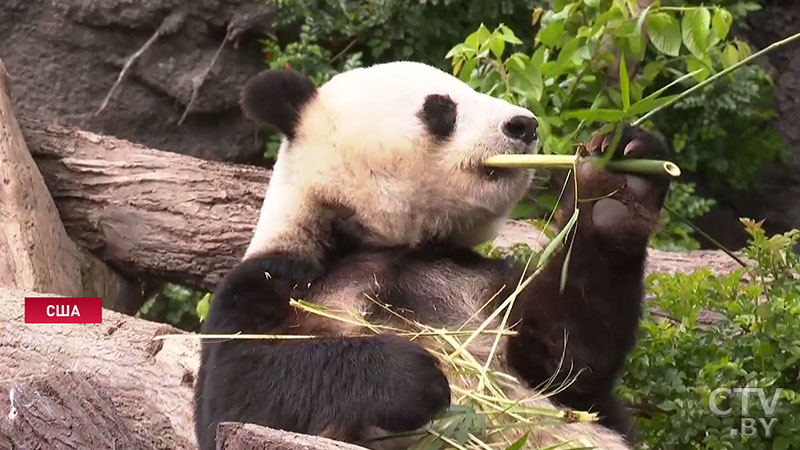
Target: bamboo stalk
pixel 639 166
pixel 532 161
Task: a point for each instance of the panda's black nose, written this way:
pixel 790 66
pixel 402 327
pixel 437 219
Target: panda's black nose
pixel 522 128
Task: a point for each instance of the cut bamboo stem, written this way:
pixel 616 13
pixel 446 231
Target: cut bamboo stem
pixel 638 166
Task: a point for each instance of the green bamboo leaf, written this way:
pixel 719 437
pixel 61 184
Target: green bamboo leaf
pixel 635 46
pixel 720 25
pixel 612 147
pixel 567 52
pixel 653 68
pixel 664 32
pixel 648 104
pixel 483 35
pixel 203 306
pixel 730 55
pixel 457 66
pixel 518 443
pixel 536 15
pixel 695 28
pixel 553 245
pixel 638 28
pixel 673 83
pixel 624 84
pixel 472 41
pixel 565 266
pixel 597 114
pixel 517 60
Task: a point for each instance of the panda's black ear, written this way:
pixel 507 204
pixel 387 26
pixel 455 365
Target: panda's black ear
pixel 276 97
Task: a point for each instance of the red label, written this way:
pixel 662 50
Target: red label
pixel 63 310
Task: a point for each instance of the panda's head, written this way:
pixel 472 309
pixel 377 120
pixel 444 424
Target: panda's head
pixel 399 145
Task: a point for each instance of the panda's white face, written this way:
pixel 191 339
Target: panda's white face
pixel 401 145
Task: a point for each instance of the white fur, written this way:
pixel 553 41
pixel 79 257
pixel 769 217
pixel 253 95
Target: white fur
pixel 360 143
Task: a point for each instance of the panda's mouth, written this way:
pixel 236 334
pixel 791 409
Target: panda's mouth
pixel 497 173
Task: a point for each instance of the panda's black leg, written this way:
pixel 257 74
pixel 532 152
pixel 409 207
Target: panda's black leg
pixel 617 417
pixel 334 386
pixel 582 334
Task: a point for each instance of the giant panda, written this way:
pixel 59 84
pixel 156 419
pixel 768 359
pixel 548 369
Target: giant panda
pixel 379 190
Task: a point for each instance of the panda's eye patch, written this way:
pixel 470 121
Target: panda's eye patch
pixel 439 115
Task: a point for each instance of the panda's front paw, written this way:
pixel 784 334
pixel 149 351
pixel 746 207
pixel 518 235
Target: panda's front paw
pixel 623 207
pixel 254 296
pixel 282 272
pixel 414 389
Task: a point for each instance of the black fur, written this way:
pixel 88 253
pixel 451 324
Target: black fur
pixel 439 115
pixel 277 97
pixel 338 386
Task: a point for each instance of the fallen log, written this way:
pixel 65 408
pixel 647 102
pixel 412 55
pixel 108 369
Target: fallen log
pixel 150 214
pixel 93 386
pixel 158 215
pixel 239 436
pixel 108 386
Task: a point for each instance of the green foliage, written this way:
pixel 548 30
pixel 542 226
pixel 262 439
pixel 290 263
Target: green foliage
pixel 681 356
pixel 723 131
pixel 590 62
pixel 176 305
pixel 379 30
pixel 676 234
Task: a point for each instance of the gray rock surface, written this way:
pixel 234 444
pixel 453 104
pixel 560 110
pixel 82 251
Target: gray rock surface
pixel 64 56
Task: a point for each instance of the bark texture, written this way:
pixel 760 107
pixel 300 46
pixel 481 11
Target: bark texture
pixel 108 386
pixel 150 214
pixel 98 386
pixel 239 436
pixel 35 251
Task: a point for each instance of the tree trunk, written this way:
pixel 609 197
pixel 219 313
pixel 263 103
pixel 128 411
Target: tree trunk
pixel 35 251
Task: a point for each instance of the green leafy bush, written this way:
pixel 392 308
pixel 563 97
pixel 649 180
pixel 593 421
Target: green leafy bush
pixel 723 131
pixel 674 233
pixel 176 305
pixel 704 332
pixel 384 30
